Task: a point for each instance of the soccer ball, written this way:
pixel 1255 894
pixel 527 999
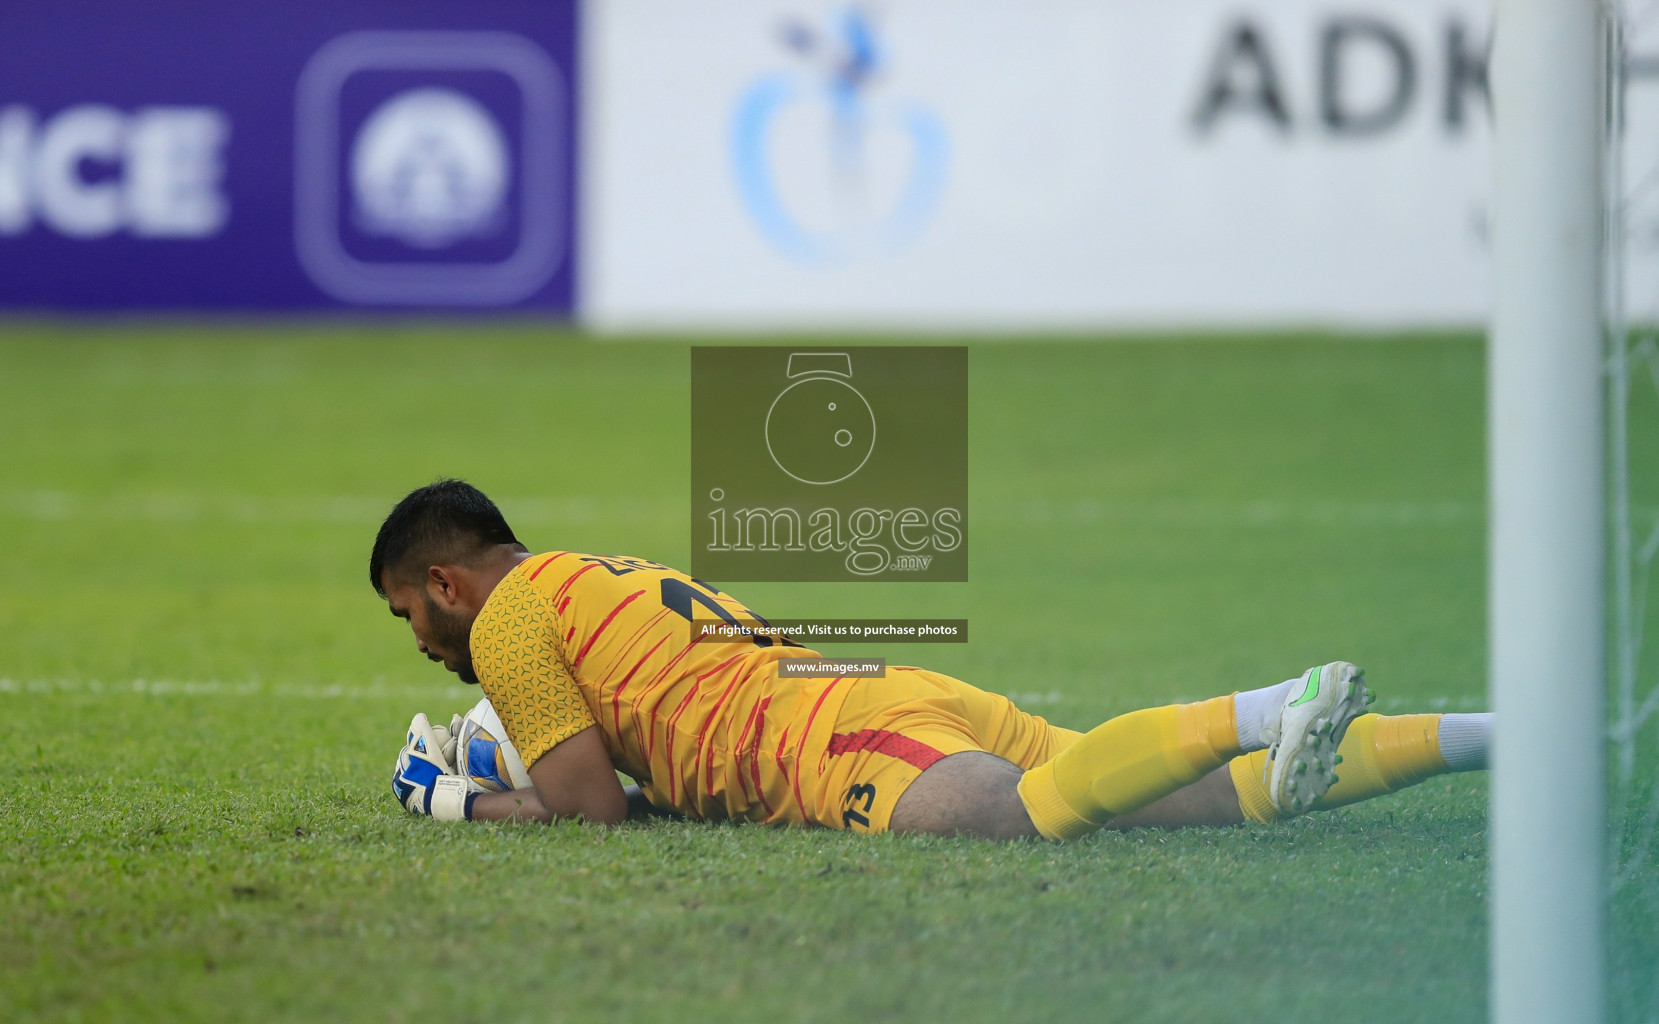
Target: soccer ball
pixel 485 754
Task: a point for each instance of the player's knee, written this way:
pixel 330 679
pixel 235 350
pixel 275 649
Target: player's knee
pixel 971 793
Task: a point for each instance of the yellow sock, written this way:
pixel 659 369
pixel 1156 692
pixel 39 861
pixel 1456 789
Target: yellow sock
pixel 1380 755
pixel 1127 763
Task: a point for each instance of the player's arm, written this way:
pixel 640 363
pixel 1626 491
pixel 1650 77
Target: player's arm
pixel 511 804
pixel 464 771
pixel 575 778
pixel 526 805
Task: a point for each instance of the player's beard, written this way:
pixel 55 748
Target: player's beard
pixel 452 633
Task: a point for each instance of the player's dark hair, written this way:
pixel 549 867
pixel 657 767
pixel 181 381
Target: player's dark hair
pixel 448 522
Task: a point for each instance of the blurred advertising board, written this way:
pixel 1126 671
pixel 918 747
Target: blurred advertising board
pixel 369 153
pixel 962 163
pixel 757 164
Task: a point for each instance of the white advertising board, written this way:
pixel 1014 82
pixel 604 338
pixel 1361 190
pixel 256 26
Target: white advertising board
pixel 1052 164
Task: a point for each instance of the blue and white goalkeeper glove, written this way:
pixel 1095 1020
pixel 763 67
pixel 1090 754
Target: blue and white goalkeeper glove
pixel 483 753
pixel 424 782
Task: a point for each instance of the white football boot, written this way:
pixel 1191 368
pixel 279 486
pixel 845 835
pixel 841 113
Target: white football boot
pixel 1302 741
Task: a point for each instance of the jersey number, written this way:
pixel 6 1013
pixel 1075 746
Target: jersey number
pixel 850 814
pixel 678 596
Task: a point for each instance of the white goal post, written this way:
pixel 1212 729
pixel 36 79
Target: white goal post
pixel 1547 605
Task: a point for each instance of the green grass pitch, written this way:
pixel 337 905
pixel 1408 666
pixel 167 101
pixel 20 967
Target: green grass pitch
pixel 202 697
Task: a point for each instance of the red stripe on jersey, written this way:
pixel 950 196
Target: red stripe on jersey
pixel 651 686
pixel 821 698
pixel 616 695
pixel 673 720
pixel 754 754
pixel 660 676
pixel 703 729
pixel 720 666
pixel 642 631
pixel 547 563
pixel 880 741
pixel 564 588
pixel 778 757
pixel 625 602
pixel 796 782
pixel 708 758
pixel 747 727
pixel 564 604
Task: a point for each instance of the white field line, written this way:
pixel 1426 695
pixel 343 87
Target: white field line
pixel 356 510
pixel 1392 705
pixel 221 688
pixel 1438 704
pixel 1264 512
pixel 189 507
pixel 379 690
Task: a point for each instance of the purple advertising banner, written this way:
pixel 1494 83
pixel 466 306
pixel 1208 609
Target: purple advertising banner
pixel 188 154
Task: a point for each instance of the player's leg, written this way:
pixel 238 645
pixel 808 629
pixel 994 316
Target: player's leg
pixel 1028 740
pixel 1138 758
pixel 1212 800
pixel 977 793
pixel 1380 755
pixel 1136 762
pixel 1131 761
pixel 969 793
pixel 950 753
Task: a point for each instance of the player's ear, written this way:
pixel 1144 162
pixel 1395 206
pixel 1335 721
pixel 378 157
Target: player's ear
pixel 441 583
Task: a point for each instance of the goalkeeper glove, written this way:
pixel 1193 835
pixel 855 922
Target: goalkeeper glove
pixel 424 782
pixel 483 753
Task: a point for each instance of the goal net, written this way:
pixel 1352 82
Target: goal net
pixel 1633 498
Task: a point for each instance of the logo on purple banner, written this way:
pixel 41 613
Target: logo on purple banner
pixel 427 168
pixel 366 153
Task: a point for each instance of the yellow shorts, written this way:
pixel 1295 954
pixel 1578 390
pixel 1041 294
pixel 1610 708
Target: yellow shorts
pixel 890 730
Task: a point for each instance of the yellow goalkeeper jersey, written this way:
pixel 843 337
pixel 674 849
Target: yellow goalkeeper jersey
pixel 568 640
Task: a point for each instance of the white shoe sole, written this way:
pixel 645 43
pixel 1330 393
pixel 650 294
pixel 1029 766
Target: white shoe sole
pixel 1303 741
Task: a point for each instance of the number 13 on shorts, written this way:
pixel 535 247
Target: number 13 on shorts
pixel 855 806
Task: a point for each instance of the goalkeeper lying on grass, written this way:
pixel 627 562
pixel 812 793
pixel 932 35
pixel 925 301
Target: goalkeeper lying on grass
pixel 588 662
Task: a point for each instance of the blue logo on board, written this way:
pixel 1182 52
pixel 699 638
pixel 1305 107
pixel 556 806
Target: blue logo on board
pixel 431 167
pixel 829 168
